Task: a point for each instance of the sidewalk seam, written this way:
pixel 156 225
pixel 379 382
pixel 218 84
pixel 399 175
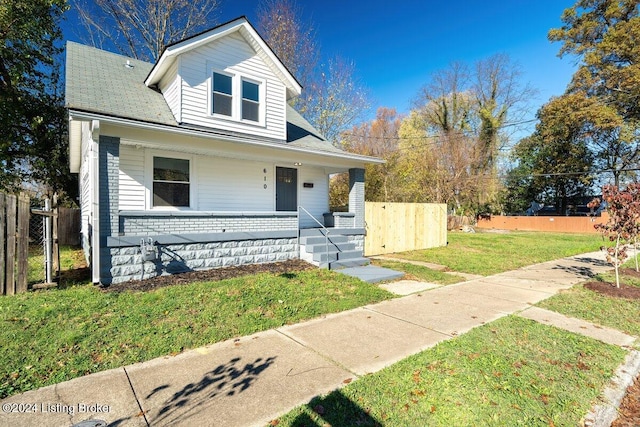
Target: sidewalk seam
pixel 324 356
pixel 135 395
pixel 449 336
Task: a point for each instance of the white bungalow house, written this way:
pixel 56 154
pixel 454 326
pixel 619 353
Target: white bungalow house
pixel 197 161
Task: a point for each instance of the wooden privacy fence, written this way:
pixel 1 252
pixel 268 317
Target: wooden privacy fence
pixel 562 224
pixel 399 227
pixel 68 226
pixel 14 243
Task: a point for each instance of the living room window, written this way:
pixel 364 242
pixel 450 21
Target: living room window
pixel 171 182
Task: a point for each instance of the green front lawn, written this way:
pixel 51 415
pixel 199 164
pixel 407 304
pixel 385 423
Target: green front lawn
pixel 487 253
pixel 55 335
pixel 512 372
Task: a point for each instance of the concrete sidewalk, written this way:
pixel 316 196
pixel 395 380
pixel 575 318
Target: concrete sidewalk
pixel 254 379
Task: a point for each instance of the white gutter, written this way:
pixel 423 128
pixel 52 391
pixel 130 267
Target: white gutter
pixel 82 115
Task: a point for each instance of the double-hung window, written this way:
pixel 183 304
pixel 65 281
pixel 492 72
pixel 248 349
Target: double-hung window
pixel 250 101
pixel 171 182
pixel 222 94
pixel 237 97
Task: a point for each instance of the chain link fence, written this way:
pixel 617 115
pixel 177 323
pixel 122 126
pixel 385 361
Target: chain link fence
pixel 37 258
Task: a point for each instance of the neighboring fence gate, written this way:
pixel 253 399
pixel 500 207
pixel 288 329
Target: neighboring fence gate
pixel 14 244
pixel 399 227
pixel 29 254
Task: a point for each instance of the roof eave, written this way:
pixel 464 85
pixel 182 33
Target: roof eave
pixel 86 115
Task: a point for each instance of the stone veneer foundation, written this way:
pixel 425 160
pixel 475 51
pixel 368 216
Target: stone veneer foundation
pixel 127 263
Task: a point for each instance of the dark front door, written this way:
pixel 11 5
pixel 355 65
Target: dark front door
pixel 286 189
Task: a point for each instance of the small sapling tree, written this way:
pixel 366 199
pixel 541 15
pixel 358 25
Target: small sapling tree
pixel 623 209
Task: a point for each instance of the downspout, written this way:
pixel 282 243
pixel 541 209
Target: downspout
pixel 95 201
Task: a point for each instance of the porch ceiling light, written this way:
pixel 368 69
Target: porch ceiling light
pixel 297 164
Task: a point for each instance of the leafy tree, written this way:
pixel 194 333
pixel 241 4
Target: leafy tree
pixel 32 116
pixel 521 186
pixel 555 161
pixel 142 28
pixel 437 167
pixel 603 35
pixel 378 138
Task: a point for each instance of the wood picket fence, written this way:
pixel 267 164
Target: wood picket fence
pixel 14 243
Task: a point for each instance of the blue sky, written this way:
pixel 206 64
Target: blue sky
pixel 397 45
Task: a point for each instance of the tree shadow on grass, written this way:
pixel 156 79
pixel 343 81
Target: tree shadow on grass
pixel 335 409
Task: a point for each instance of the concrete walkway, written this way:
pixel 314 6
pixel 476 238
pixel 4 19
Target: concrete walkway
pixel 252 380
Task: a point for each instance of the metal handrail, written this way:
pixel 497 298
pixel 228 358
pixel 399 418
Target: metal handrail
pixel 326 232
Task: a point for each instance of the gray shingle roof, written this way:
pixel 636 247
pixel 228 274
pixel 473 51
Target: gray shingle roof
pixel 100 82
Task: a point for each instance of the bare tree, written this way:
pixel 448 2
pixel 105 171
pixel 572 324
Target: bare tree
pixel 336 100
pixel 142 28
pixel 464 112
pixel 499 96
pixel 436 166
pixel 379 138
pixel 333 98
pixel 444 102
pixel 291 40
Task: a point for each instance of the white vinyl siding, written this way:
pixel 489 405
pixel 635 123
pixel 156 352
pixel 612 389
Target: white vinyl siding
pixel 232 55
pixel 170 88
pixel 220 184
pixel 235 185
pixel 131 188
pixel 316 199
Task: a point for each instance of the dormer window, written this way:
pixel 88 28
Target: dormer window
pixel 222 94
pixel 237 97
pixel 250 101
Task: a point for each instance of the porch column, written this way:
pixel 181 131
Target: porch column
pixel 109 167
pixel 356 196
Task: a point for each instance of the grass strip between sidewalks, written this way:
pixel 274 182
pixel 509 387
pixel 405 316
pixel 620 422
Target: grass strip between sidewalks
pixel 618 313
pixel 541 376
pixel 418 272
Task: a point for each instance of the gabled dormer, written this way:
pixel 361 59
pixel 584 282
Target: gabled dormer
pixel 228 79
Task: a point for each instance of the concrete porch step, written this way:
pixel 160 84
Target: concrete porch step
pixel 336 255
pixel 346 263
pixel 332 247
pixel 372 273
pixel 321 240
